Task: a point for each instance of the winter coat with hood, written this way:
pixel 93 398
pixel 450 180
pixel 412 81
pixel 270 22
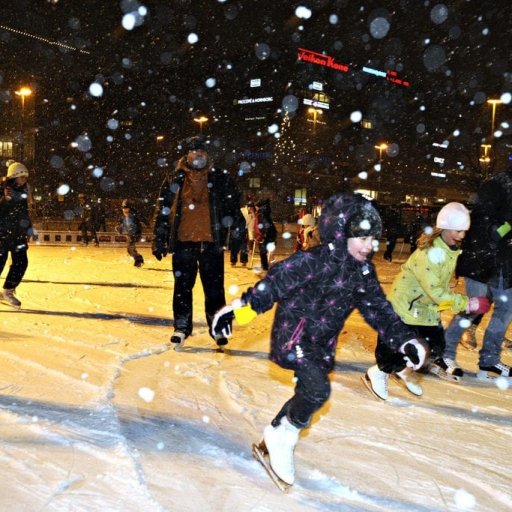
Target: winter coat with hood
pixel 316 291
pixel 223 202
pixel 421 290
pixel 485 254
pixel 15 223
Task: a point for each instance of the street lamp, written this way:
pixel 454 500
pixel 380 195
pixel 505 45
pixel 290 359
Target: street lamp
pixel 381 148
pixel 315 112
pixel 494 103
pixel 200 120
pixel 485 159
pixel 23 92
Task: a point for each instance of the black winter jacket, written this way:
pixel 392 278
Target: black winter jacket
pixel 15 223
pixel 224 203
pixel 317 290
pixel 485 255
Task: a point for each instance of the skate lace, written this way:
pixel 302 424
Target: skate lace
pixel 450 364
pixel 503 368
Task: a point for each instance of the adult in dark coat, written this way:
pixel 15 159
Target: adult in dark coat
pixel 265 232
pixel 196 206
pixel 15 228
pixel 315 292
pixel 486 265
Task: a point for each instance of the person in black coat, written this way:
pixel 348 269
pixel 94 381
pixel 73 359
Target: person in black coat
pixel 265 232
pixel 130 225
pixel 15 229
pixel 196 207
pixel 486 265
pixel 87 212
pixel 315 292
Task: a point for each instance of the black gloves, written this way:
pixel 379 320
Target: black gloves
pixel 222 322
pixel 159 254
pixel 415 352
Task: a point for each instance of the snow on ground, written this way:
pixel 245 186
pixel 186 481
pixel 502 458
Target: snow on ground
pixel 98 414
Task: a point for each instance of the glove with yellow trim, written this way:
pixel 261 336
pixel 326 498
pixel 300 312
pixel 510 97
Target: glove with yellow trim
pixel 223 319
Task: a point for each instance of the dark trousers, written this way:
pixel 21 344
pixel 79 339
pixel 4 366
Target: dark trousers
pixel 187 260
pixel 263 255
pixel 390 361
pixel 18 266
pixel 238 246
pixel 85 227
pixel 132 250
pixel 312 390
pixel 390 247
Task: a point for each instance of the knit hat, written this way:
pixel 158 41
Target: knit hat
pixel 15 170
pixel 307 220
pixel 364 221
pixel 453 216
pixel 193 144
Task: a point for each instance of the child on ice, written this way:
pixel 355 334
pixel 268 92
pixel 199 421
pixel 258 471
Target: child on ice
pixel 420 292
pixel 315 292
pixel 130 225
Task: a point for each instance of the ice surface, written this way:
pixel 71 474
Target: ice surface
pixel 98 414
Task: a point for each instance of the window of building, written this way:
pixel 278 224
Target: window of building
pixel 254 183
pixel 6 149
pixel 300 197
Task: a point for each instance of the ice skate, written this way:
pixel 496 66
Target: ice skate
pixel 9 298
pixel 493 372
pixel 468 338
pixel 408 379
pixel 260 453
pixel 178 340
pixel 280 443
pixel 446 369
pixel 377 382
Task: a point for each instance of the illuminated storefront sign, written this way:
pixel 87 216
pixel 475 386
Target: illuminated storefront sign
pixel 248 101
pixel 316 103
pixel 321 59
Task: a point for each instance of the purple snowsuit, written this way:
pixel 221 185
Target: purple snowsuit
pixel 316 291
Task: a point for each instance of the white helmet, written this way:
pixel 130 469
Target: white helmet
pixel 16 170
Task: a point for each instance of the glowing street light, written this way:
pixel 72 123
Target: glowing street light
pixel 315 112
pixel 201 120
pixel 381 148
pixel 23 92
pixel 494 103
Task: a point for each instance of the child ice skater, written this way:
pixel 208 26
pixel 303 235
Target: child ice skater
pixel 420 292
pixel 315 292
pixel 130 225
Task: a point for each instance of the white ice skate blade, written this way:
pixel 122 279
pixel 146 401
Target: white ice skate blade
pixel 406 387
pixel 260 453
pixel 438 372
pixel 368 384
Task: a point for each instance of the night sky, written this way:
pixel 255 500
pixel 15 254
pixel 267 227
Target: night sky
pixel 455 55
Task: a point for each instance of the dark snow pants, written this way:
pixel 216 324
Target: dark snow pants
pixel 312 390
pixel 187 260
pixel 19 264
pixel 131 249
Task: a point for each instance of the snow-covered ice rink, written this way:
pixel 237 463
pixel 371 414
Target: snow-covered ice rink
pixel 98 414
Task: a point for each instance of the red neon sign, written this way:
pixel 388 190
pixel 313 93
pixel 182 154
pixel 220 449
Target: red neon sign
pixel 325 60
pixel 320 59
